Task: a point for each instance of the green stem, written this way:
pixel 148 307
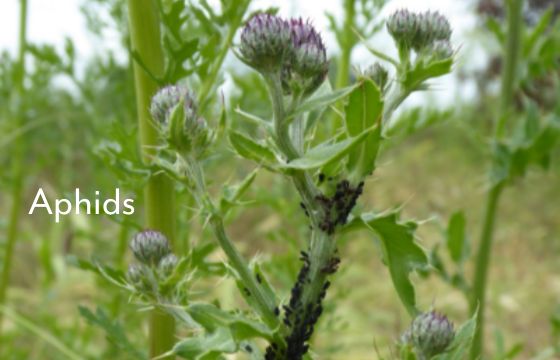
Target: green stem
pixel 511 60
pixel 481 270
pixel 158 193
pixel 17 162
pixel 322 247
pixel 266 305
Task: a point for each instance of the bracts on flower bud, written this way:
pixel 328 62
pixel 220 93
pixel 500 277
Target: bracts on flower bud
pixel 175 112
pixel 307 66
pixel 150 247
pixel 265 42
pixel 429 334
pixel 402 26
pixel 418 31
pixel 379 74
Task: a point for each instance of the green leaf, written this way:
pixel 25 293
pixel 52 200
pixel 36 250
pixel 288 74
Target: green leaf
pixel 322 101
pixel 242 328
pixel 114 332
pixel 422 71
pixel 459 348
pixel 232 194
pixel 207 346
pixel 538 30
pixel 363 110
pixel 250 149
pixel 532 145
pixel 456 237
pixel 327 153
pixel 401 254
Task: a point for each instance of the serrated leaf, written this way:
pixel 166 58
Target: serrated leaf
pixel 242 328
pixel 250 149
pixel 327 153
pixel 401 254
pixel 423 71
pixel 363 110
pixel 232 194
pixel 207 346
pixel 456 237
pixel 114 332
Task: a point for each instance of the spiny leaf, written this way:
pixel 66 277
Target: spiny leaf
pixel 322 101
pixel 327 153
pixel 401 254
pixel 114 332
pixel 250 149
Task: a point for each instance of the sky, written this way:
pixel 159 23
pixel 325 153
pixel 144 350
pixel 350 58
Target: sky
pixel 51 21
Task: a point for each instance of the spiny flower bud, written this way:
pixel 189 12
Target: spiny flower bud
pixel 441 50
pixel 308 66
pixel 149 247
pixel 265 40
pixel 439 26
pixel 181 126
pixel 402 26
pixel 168 264
pixel 379 74
pixel 431 26
pixel 431 333
pixel 135 274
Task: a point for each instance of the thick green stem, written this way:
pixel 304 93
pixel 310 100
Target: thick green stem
pixel 306 301
pixel 158 193
pixel 482 264
pixel 511 61
pixel 266 305
pixel 17 162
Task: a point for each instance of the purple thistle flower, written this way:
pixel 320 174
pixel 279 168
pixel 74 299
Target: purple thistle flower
pixel 265 40
pixel 308 65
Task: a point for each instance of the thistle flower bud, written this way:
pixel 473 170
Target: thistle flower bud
pixel 431 26
pixel 150 247
pixel 308 66
pixel 438 25
pixel 441 50
pixel 165 100
pixel 265 40
pixel 402 26
pixel 168 264
pixel 135 274
pixel 181 126
pixel 379 74
pixel 430 334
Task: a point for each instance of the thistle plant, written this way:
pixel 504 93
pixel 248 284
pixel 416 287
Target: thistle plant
pixel 329 177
